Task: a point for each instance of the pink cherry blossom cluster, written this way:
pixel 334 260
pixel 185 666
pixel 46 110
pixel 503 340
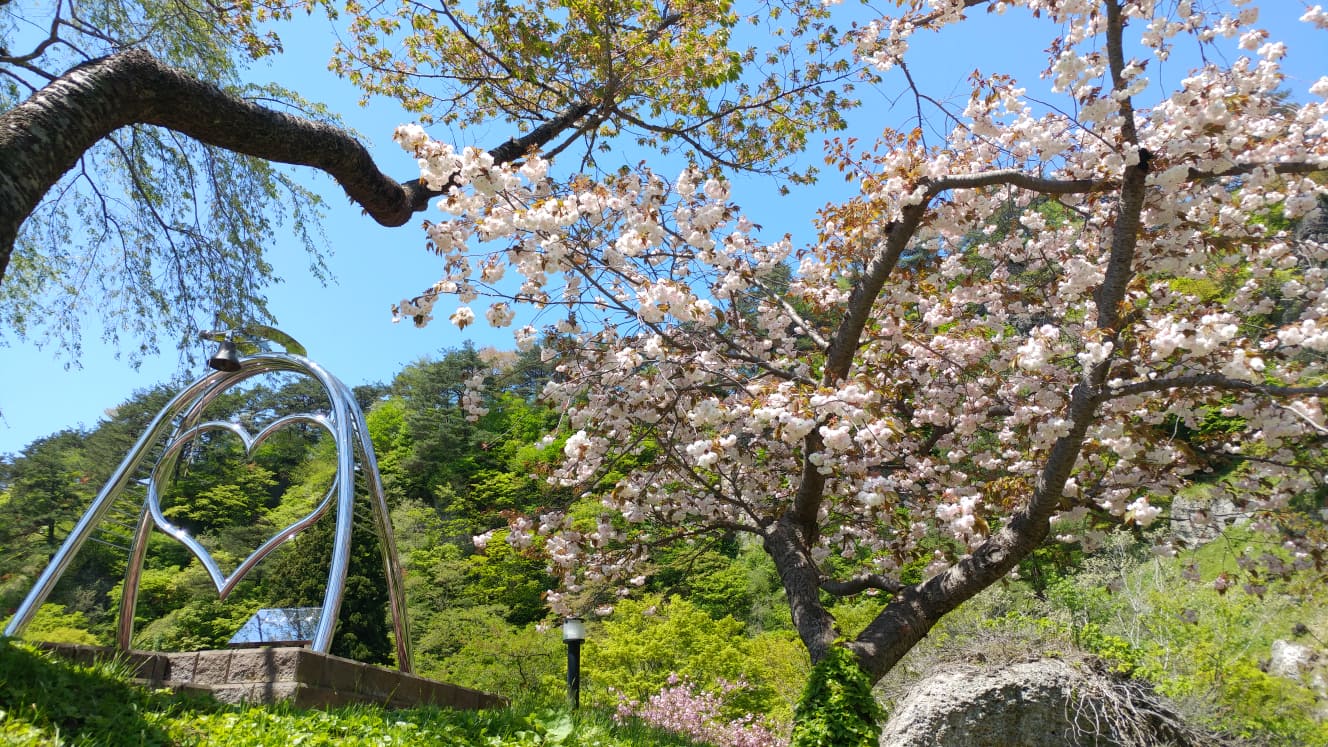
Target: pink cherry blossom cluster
pixel 684 709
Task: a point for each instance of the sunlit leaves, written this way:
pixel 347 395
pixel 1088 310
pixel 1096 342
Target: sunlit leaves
pixel 671 76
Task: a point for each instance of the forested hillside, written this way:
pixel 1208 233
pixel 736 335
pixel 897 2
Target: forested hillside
pixel 706 630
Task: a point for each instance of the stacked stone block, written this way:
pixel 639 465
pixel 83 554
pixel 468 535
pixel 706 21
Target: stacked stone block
pixel 305 678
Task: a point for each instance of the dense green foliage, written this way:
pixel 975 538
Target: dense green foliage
pixel 1206 650
pixel 649 642
pixel 837 708
pixel 1226 637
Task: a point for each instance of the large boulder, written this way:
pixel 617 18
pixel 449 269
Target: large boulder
pixel 1041 703
pixel 1291 660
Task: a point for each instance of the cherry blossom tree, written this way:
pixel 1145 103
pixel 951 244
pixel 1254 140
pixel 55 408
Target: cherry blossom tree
pixel 1010 335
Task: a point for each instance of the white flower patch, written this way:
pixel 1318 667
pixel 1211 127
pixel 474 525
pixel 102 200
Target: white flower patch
pixel 500 314
pixel 1306 334
pixel 1141 512
pixel 462 317
pixel 525 338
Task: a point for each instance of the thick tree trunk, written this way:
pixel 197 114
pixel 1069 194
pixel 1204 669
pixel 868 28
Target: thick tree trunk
pixel 44 137
pixel 801 580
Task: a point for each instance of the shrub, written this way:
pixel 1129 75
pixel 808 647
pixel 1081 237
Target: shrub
pixel 637 652
pixel 55 624
pixel 837 707
pixel 683 709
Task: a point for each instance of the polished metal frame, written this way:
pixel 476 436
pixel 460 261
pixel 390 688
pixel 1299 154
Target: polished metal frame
pixel 345 423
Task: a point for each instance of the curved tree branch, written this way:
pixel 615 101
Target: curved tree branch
pixel 859 584
pixel 44 137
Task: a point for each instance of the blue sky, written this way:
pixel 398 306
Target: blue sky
pixel 347 326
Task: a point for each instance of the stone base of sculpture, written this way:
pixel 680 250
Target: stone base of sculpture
pixel 305 678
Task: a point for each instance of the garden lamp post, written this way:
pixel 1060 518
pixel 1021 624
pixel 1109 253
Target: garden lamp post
pixel 574 632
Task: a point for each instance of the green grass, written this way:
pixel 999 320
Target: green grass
pixel 45 700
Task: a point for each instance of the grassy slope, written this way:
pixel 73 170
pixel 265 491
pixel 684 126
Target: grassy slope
pixel 1204 649
pixel 46 701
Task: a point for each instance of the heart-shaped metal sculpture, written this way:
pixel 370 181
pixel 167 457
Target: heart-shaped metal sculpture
pixel 226 583
pixel 180 418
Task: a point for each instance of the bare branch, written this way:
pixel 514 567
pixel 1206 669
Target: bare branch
pixel 1044 185
pixel 1023 180
pixel 1280 167
pixel 52 37
pixel 1215 381
pixel 803 324
pixel 521 146
pixel 859 584
pixel 1305 417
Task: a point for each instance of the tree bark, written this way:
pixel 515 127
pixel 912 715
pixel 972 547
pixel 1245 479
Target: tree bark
pixel 46 135
pixel 802 583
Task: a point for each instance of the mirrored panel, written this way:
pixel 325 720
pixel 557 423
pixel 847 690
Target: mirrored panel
pixel 278 626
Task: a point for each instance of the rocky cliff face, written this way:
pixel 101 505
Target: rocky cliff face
pixel 1043 703
pixel 1200 520
pixel 1314 226
pixel 1304 663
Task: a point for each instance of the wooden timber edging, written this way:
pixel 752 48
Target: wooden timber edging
pixel 305 678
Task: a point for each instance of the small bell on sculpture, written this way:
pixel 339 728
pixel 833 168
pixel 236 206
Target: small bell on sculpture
pixel 227 357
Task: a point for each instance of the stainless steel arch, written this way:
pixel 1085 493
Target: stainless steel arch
pixel 183 414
